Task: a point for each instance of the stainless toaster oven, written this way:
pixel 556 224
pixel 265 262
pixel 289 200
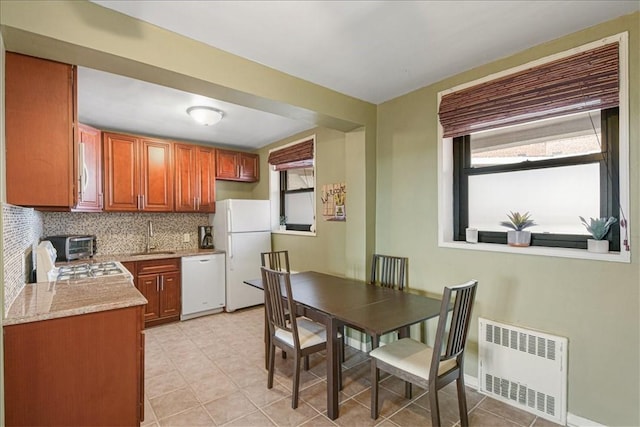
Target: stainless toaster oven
pixel 72 247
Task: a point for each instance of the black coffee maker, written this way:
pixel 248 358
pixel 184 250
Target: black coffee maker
pixel 205 236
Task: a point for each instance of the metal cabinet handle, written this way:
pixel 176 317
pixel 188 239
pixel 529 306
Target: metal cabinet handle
pixel 162 283
pixel 157 284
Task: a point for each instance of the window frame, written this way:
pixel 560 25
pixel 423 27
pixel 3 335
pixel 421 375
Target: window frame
pixel 609 186
pixel 446 176
pixel 284 190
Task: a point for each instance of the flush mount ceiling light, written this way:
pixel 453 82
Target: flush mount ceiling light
pixel 205 115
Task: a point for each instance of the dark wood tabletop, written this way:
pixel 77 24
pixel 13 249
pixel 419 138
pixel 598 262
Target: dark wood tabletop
pixel 342 301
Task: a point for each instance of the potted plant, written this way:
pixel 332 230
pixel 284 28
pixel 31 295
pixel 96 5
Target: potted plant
pixel 598 228
pixel 283 223
pixel 518 236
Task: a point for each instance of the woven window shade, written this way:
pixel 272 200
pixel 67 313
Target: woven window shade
pixel 294 156
pixel 580 82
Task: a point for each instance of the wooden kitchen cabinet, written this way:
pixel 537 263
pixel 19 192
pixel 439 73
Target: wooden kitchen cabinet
pixel 194 178
pixel 138 173
pixel 90 195
pixel 40 114
pixel 159 281
pixel 78 370
pixel 237 166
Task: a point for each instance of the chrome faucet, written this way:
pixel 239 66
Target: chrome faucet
pixel 149 236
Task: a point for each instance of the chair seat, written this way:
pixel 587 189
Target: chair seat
pixel 411 356
pixel 310 333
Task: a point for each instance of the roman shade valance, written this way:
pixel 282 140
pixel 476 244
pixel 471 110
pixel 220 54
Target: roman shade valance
pixel 580 82
pixel 292 157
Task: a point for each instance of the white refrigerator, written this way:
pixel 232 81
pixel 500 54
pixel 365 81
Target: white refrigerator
pixel 242 228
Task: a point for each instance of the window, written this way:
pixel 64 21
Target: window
pixel 557 169
pixel 296 198
pixel 292 181
pixel 550 137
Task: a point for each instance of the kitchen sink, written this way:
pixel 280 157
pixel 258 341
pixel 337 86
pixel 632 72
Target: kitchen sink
pixel 153 253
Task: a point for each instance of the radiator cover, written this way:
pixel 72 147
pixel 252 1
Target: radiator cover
pixel 524 368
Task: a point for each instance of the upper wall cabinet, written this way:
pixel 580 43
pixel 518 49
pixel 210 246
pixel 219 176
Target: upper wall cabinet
pixel 237 166
pixel 90 197
pixel 195 178
pixel 137 173
pixel 40 113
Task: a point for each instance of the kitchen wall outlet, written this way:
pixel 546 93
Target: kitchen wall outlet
pixel 186 238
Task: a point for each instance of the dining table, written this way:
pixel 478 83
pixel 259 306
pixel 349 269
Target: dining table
pixel 341 301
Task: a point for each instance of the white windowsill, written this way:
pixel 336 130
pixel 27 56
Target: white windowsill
pixel 295 233
pixel 540 250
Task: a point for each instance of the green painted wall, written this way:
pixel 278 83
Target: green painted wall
pixel 594 304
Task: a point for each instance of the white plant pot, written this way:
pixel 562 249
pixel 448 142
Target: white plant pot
pixel 598 246
pixel 518 238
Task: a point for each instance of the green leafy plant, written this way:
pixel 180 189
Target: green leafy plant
pixel 518 221
pixel 283 220
pixel 598 227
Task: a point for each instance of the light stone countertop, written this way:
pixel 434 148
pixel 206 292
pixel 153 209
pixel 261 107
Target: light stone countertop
pixel 51 300
pixel 158 254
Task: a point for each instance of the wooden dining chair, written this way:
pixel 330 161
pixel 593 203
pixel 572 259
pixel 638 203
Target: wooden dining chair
pixel 389 272
pixel 276 260
pixel 431 368
pixel 300 337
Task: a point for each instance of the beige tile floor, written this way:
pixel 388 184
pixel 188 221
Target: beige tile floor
pixel 210 371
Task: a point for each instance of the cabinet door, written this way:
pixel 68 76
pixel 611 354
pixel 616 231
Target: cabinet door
pixel 121 172
pixel 89 169
pixel 186 178
pixel 39 117
pixel 248 167
pixel 170 294
pixel 157 175
pixel 149 286
pixel 226 164
pixel 206 179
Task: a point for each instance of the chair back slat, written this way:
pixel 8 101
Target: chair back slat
pixel 276 260
pixel 278 302
pixel 389 271
pixel 464 297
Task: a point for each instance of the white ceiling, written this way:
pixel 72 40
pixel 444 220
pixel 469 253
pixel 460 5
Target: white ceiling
pixel 371 50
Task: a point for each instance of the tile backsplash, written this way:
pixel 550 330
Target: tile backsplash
pixel 118 233
pixel 22 228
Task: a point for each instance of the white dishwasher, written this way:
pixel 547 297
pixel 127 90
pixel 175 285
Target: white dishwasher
pixel 203 285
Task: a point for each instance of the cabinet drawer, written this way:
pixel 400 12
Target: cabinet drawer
pixel 157 266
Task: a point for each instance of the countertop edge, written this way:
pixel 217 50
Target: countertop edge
pixel 74 312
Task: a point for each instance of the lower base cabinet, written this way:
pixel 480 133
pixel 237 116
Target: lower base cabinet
pixel 79 370
pixel 159 281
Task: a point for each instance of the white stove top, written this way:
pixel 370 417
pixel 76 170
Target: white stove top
pixel 90 270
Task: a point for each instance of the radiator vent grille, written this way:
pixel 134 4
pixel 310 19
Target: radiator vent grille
pixel 533 344
pixel 524 368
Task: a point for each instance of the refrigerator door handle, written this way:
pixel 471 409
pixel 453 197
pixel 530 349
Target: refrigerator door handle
pixel 230 248
pixel 229 224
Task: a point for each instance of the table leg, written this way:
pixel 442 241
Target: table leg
pixel 404 333
pixel 333 366
pixel 267 340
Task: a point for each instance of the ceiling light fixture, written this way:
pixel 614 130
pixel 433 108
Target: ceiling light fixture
pixel 205 115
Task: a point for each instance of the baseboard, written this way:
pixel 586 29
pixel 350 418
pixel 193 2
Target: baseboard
pixel 576 421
